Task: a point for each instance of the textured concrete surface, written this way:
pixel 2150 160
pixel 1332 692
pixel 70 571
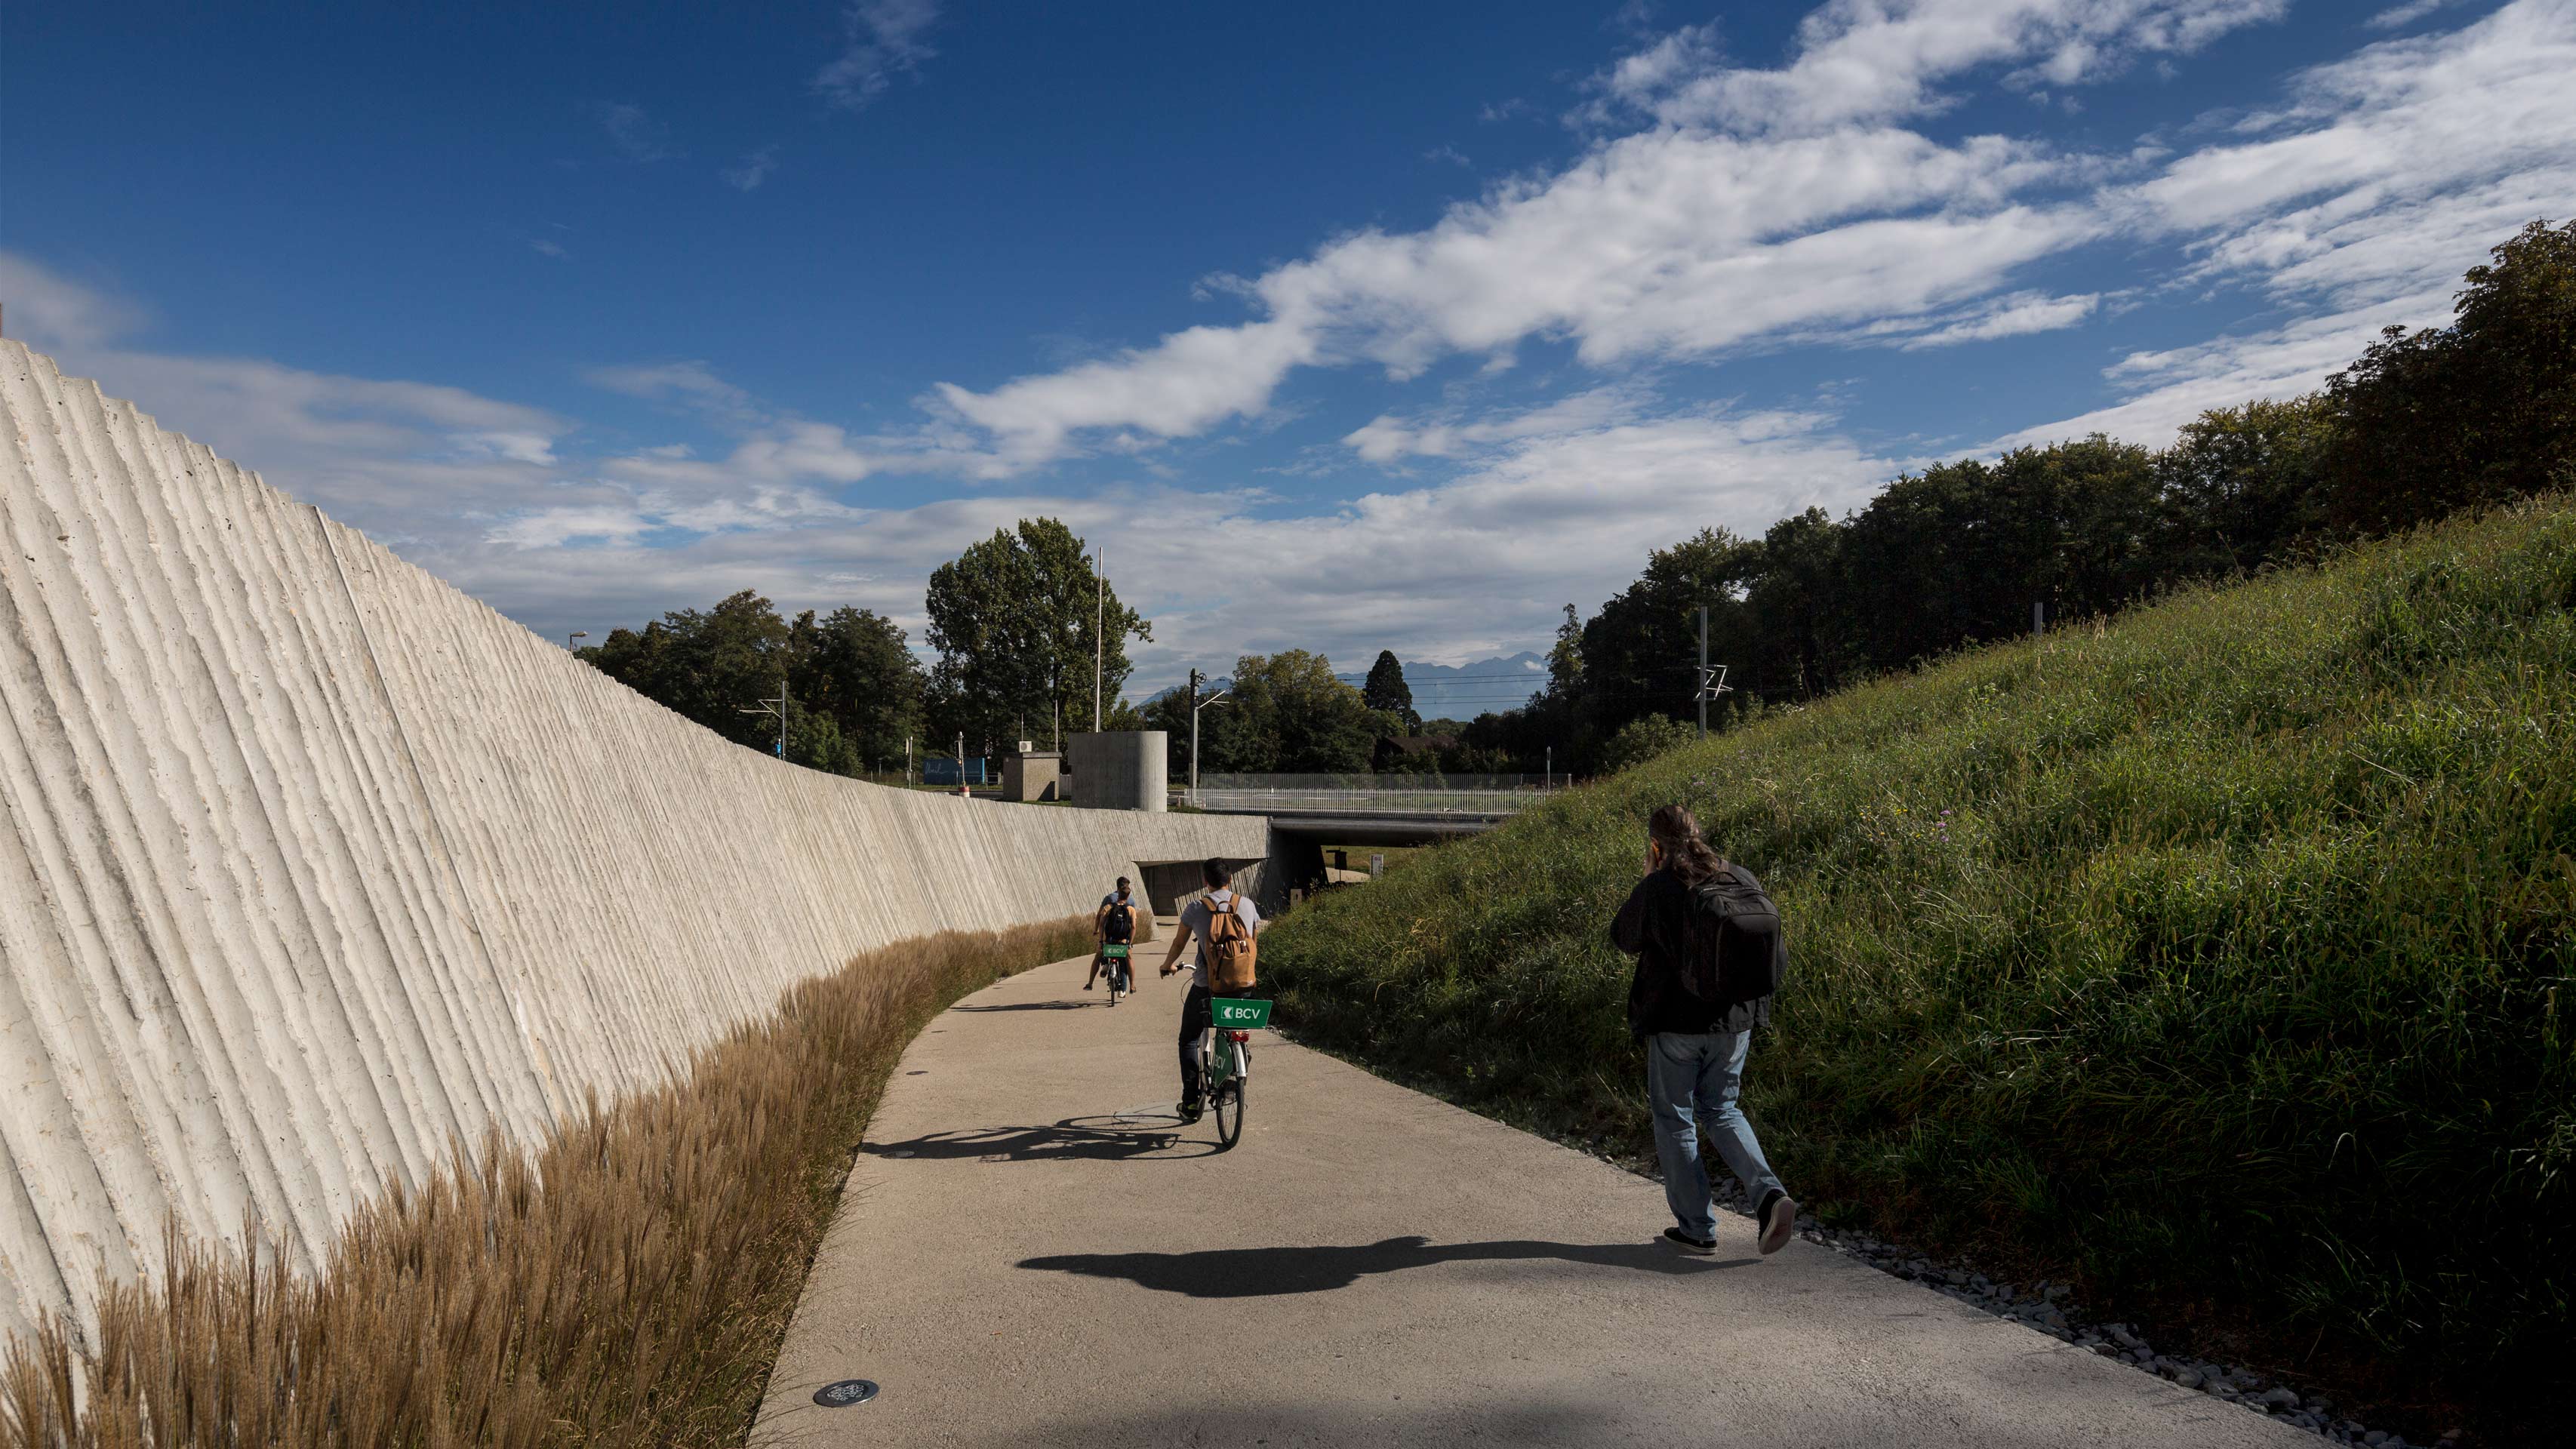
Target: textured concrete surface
pixel 310 864
pixel 1032 1251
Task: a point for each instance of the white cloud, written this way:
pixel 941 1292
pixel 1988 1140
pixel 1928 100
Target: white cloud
pixel 752 169
pixel 2356 207
pixel 1863 62
pixel 2017 315
pixel 60 315
pixel 881 40
pixel 2397 17
pixel 1558 505
pixel 1665 244
pixel 547 247
pixel 2354 202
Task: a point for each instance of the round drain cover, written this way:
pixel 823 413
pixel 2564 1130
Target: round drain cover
pixel 846 1393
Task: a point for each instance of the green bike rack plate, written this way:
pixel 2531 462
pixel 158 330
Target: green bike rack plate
pixel 1114 951
pixel 1240 1015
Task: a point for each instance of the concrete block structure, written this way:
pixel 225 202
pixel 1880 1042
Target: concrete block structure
pixel 311 865
pixel 1122 770
pixel 1033 775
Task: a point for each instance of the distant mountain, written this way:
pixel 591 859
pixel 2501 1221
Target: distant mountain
pixel 1464 691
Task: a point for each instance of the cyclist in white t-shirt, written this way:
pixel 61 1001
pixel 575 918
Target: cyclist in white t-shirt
pixel 1197 1016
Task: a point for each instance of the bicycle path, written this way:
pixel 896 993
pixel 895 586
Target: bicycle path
pixel 1032 1251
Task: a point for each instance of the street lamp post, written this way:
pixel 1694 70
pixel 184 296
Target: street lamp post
pixel 575 634
pixel 1197 704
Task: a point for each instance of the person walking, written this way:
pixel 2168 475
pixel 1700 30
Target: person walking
pixel 1710 953
pixel 1221 914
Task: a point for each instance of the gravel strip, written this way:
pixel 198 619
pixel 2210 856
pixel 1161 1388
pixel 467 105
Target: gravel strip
pixel 2049 1308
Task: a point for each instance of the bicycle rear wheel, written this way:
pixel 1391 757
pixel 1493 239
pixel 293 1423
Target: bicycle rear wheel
pixel 1229 1114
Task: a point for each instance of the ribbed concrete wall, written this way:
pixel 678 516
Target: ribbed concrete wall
pixel 312 864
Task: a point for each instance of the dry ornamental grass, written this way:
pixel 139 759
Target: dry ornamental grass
pixel 626 1283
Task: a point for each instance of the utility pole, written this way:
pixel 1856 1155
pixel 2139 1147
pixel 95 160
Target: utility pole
pixel 2038 617
pixel 1197 704
pixel 1550 783
pixel 961 762
pixel 1099 640
pixel 777 707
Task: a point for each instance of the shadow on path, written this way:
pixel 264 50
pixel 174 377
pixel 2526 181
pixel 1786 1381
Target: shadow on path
pixel 1144 1137
pixel 1032 1006
pixel 1270 1272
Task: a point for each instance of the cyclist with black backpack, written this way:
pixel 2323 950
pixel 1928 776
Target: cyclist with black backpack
pixel 1115 921
pixel 1710 953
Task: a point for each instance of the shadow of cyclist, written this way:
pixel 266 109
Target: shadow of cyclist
pixel 1270 1272
pixel 1129 1138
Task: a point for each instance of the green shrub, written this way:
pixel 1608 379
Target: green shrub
pixel 2210 957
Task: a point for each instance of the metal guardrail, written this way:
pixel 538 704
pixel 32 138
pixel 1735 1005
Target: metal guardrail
pixel 1380 784
pixel 1363 802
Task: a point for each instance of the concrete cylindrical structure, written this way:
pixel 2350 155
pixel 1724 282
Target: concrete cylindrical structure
pixel 1122 770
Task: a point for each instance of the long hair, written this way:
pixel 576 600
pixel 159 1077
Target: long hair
pixel 1685 853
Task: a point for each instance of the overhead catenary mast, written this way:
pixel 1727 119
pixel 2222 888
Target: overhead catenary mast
pixel 1099 640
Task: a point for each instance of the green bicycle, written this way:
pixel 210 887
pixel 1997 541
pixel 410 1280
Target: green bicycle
pixel 1225 1061
pixel 1122 982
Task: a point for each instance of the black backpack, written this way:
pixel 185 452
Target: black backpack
pixel 1730 939
pixel 1121 923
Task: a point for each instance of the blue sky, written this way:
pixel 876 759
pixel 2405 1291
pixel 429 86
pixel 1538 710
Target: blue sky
pixel 1344 327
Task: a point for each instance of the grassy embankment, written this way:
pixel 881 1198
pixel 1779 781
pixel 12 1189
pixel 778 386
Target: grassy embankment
pixel 2213 959
pixel 627 1283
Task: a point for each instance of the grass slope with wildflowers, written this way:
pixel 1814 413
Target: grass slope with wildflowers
pixel 2215 958
pixel 627 1282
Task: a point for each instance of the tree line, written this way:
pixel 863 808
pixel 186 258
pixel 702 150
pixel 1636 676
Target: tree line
pixel 1016 619
pixel 2424 423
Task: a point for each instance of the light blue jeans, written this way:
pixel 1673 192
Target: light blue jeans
pixel 1691 1082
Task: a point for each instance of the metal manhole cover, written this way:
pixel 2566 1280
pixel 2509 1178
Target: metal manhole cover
pixel 846 1393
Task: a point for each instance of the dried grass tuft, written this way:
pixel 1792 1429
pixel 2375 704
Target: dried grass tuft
pixel 628 1282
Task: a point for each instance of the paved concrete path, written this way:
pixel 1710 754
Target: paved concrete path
pixel 1033 1251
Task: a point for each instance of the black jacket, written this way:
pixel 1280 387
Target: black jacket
pixel 1649 927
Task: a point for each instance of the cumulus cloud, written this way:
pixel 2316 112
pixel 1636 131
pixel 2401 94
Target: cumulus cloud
pixel 881 39
pixel 1661 245
pixel 1768 207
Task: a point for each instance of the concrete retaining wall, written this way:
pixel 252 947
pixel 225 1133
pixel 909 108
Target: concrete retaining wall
pixel 310 864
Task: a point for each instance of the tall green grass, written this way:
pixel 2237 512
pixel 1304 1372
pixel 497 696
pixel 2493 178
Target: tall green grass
pixel 2215 957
